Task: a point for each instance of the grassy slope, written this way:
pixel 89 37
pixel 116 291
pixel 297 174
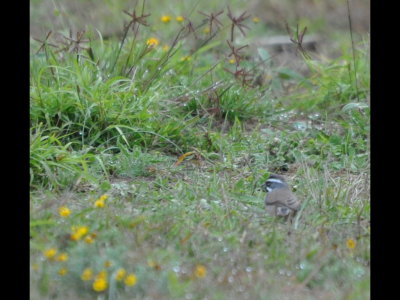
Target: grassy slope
pixel 99 129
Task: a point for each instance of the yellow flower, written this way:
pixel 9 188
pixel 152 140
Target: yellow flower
pixel 75 237
pixel 200 271
pixel 107 264
pixel 120 274
pixel 99 203
pixel 351 244
pixel 232 61
pixel 89 239
pixel 80 229
pixel 100 284
pixel 180 19
pixel 165 19
pixel 62 257
pixel 50 253
pixel 206 30
pixel 130 280
pixel 79 232
pixel 103 197
pixel 62 271
pixel 64 211
pixel 152 42
pixel 256 19
pixel 165 48
pixel 87 274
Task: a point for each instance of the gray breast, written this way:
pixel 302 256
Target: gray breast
pixel 282 197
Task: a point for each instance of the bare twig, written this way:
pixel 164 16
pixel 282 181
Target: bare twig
pixel 74 44
pixel 297 38
pixel 237 22
pixel 45 43
pixel 235 52
pixel 212 19
pixel 139 20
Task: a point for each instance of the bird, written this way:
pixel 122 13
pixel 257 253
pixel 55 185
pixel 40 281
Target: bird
pixel 280 200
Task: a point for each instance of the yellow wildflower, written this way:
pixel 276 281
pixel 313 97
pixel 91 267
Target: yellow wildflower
pixel 165 48
pixel 180 19
pixel 87 274
pixel 79 232
pixel 62 271
pixel 351 244
pixel 232 61
pixel 152 42
pixel 50 253
pixel 200 271
pixel 82 230
pixel 99 203
pixel 75 237
pixel 256 19
pixel 103 197
pixel 64 211
pixel 165 19
pixel 100 284
pixel 130 280
pixel 62 257
pixel 206 30
pixel 120 274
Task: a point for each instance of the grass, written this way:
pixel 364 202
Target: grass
pixel 180 141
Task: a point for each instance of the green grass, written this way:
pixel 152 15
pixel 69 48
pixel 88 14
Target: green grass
pixel 115 120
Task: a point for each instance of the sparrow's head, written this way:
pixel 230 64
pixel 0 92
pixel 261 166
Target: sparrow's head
pixel 275 182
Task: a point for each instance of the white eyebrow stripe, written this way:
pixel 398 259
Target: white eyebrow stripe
pixel 274 180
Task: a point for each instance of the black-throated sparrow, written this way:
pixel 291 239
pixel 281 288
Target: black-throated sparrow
pixel 280 200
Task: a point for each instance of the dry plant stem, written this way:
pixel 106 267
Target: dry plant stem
pixel 297 39
pixel 237 22
pixel 163 61
pixel 120 48
pixel 235 52
pixel 44 43
pixel 44 48
pixel 206 41
pixel 206 72
pixel 189 27
pixel 212 19
pixel 131 49
pixel 139 20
